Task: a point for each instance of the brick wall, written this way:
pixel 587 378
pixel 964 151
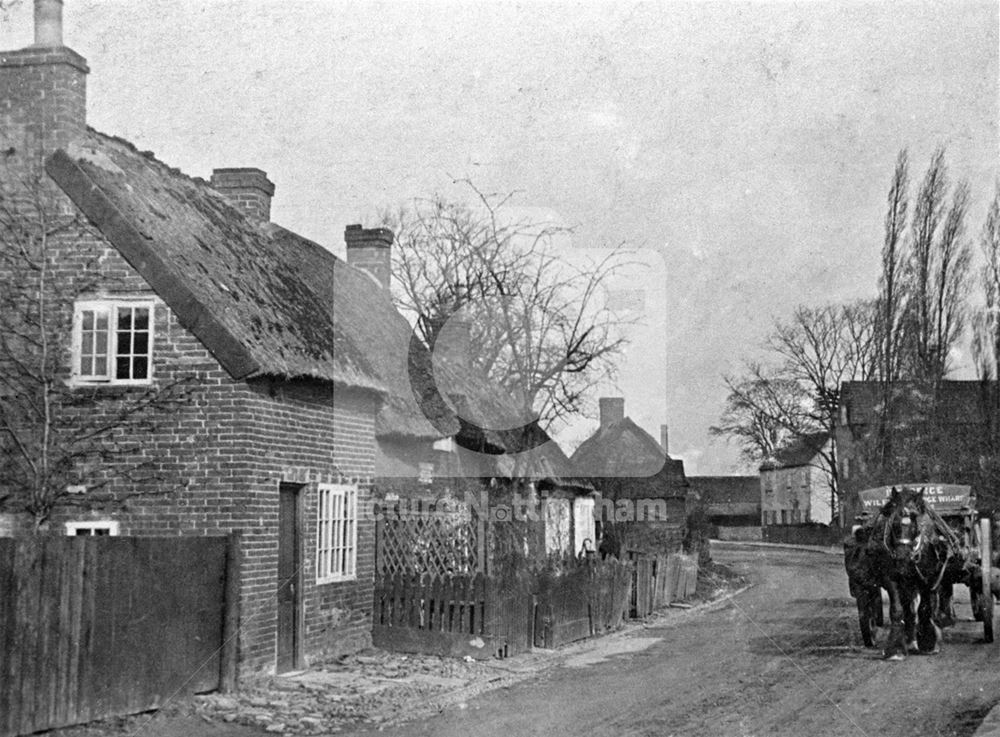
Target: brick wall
pixel 42 100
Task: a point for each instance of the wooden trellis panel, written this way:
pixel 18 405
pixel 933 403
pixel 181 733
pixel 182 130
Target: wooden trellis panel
pixel 429 545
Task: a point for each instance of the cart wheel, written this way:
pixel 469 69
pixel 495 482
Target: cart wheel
pixel 986 594
pixel 988 619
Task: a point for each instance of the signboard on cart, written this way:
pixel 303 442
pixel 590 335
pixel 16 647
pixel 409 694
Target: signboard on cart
pixel 943 498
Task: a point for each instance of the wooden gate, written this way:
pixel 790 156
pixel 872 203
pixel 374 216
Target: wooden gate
pixel 92 627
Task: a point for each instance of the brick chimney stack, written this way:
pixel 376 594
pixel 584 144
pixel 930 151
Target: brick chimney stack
pixel 665 439
pixel 43 91
pixel 248 189
pixel 612 410
pixel 370 250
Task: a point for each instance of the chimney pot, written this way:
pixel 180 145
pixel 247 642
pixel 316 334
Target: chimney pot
pixel 612 410
pixel 248 189
pixel 665 439
pixel 370 250
pixel 48 23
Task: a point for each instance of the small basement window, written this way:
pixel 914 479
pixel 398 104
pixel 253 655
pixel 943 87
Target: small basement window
pixel 113 341
pixel 92 527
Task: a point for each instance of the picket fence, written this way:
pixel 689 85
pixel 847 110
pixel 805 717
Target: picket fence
pixel 500 615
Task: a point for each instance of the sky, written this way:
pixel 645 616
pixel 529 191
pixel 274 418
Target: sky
pixel 744 149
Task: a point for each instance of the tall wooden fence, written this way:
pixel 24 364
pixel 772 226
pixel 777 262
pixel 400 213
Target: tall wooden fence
pixel 658 580
pixel 581 600
pixel 92 627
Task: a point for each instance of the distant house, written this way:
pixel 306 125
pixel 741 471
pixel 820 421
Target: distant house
pixel 644 493
pixel 731 503
pixel 795 485
pixel 909 433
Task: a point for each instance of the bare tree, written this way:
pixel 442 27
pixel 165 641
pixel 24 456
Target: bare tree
pixel 60 445
pixel 761 411
pixel 891 305
pixel 540 324
pixel 822 347
pixel 940 259
pixel 986 336
pixel 797 400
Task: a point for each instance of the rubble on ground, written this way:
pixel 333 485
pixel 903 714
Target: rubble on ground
pixel 373 687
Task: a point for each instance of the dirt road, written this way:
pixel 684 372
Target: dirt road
pixel 783 658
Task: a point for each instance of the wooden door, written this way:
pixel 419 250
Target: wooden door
pixel 289 577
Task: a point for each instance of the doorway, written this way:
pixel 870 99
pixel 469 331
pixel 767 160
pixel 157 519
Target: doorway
pixel 289 577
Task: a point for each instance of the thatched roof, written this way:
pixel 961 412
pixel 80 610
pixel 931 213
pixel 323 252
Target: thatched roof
pixel 230 282
pixel 623 450
pixel 268 302
pixel 546 463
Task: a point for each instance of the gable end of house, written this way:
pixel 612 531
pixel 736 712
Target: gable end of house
pixel 134 248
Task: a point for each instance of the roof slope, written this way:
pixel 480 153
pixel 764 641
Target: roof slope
pixel 799 452
pixel 726 489
pixel 366 317
pixel 624 450
pixel 232 284
pixel 957 402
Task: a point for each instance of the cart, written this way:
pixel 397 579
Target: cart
pixel 973 564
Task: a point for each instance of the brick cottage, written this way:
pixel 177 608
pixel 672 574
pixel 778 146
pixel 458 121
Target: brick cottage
pixel 167 280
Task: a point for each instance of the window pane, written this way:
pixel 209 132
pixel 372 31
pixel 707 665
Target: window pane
pixel 139 368
pixel 122 367
pixel 88 319
pixel 102 320
pixel 100 366
pixel 337 512
pixel 124 318
pixel 141 321
pixel 140 343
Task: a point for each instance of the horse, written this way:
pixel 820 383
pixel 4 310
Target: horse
pixel 906 550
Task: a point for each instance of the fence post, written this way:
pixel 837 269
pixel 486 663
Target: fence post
pixel 229 657
pixel 481 547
